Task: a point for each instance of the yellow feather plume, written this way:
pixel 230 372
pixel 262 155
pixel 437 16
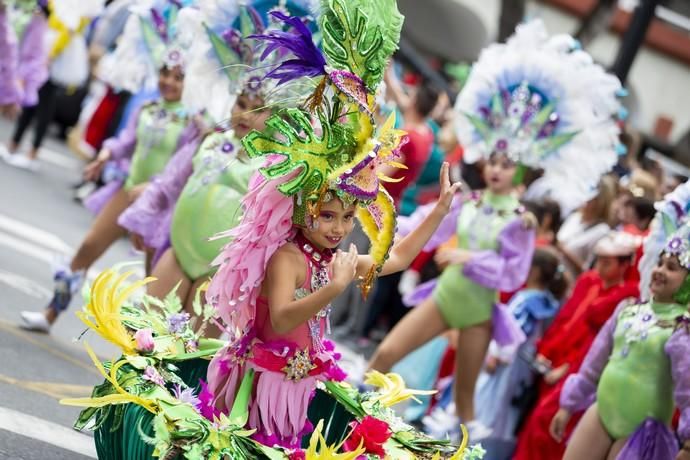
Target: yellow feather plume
pixel 102 313
pixel 122 396
pixel 392 388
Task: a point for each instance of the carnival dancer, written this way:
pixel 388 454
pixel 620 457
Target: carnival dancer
pixel 644 347
pixel 517 110
pixel 198 194
pixel 64 65
pixel 23 63
pixel 560 352
pixel 152 136
pixel 281 271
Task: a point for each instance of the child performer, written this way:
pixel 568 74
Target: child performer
pixel 23 64
pixel 198 195
pixel 516 111
pixel 150 139
pixel 281 271
pixel 643 348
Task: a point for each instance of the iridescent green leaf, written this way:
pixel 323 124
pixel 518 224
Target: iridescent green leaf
pixel 360 36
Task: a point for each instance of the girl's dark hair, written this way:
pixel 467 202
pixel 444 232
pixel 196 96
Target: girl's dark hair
pixel 551 272
pixel 545 208
pixel 426 98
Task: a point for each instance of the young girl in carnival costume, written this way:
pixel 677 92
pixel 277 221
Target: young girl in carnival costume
pixel 276 279
pixel 142 150
pixel 534 102
pixel 198 195
pixel 643 348
pixel 23 63
pixel 280 273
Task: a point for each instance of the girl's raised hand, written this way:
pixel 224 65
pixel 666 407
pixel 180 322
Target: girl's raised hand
pixel 448 190
pixel 344 267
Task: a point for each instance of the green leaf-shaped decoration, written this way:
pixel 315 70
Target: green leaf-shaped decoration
pixel 311 157
pixel 227 57
pixel 360 36
pixel 154 42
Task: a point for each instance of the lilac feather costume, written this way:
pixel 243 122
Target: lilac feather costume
pixel 23 66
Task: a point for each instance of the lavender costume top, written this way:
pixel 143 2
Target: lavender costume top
pixel 163 137
pixel 10 92
pixel 197 196
pixel 32 70
pixel 490 226
pixel 643 348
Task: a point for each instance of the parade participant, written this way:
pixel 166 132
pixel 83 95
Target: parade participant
pixel 560 352
pixel 152 136
pixel 24 67
pixel 280 272
pixel 198 195
pixel 62 64
pixel 644 346
pixel 515 112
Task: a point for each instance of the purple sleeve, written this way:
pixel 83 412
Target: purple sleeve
pixel 579 391
pixel 33 60
pixel 445 230
pixel 678 350
pixel 506 269
pixel 122 145
pixel 151 214
pixel 9 90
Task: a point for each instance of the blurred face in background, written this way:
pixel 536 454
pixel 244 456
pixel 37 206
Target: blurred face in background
pixel 499 172
pixel 248 113
pixel 171 83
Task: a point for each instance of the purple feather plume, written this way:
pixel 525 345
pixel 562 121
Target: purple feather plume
pixel 308 60
pixel 159 23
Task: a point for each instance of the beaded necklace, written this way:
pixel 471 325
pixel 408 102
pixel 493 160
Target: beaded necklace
pixel 320 276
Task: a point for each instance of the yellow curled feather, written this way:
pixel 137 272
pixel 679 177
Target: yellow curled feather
pixel 102 313
pixel 392 388
pixel 122 396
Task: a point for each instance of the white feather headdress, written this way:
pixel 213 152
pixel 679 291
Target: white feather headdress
pixel 544 102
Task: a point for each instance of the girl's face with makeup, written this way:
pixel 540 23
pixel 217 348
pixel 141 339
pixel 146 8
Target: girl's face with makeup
pixel 334 223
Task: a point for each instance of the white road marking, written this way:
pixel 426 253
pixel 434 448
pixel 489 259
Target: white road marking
pixel 36 235
pixel 48 432
pixel 28 249
pixel 24 285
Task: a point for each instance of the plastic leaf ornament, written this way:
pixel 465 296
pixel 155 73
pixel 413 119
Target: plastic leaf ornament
pixel 360 35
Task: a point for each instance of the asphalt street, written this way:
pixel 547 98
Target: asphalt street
pixel 41 223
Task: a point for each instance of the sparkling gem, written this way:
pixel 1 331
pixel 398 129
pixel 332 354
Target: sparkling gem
pixel 228 147
pixel 647 317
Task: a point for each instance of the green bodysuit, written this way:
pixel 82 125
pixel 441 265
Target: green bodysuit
pixel 462 301
pixel 636 382
pixel 210 202
pixel 158 133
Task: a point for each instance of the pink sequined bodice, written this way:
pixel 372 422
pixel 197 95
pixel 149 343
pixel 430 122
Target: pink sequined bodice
pixel 299 335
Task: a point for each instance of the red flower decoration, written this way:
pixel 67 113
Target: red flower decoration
pixel 297 455
pixel 371 433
